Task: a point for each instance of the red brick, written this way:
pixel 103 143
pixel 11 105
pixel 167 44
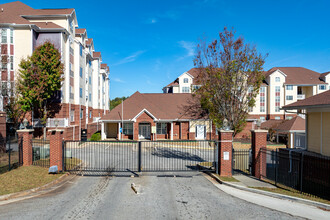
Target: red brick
pixel 259 144
pixel 26 135
pixel 56 150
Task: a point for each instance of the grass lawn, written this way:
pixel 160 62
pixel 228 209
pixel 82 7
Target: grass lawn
pixel 24 178
pixel 294 193
pixel 226 179
pixel 4 159
pixel 29 177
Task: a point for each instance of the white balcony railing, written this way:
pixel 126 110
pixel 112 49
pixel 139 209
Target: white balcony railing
pixel 301 96
pixel 51 122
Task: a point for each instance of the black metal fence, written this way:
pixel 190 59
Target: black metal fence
pixel 148 156
pixel 12 156
pixel 242 161
pixel 41 152
pixel 304 171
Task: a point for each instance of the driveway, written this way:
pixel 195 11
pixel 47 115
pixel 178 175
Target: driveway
pixel 188 195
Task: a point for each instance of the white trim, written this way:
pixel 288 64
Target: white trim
pixel 146 111
pixel 187 74
pixel 279 72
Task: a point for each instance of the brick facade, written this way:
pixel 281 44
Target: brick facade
pixel 26 135
pixel 3 133
pixel 225 149
pixel 259 143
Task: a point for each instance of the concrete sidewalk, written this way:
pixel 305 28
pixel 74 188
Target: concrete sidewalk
pixel 250 181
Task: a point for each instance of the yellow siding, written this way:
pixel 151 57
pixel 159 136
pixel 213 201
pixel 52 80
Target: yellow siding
pixel 59 21
pixel 23 46
pixel 314 129
pixel 193 124
pixel 326 133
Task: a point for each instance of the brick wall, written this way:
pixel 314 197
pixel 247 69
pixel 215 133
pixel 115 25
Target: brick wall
pixel 26 135
pixel 56 150
pixel 2 132
pixel 225 148
pixel 92 128
pixel 259 143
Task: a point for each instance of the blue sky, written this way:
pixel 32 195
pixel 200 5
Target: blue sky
pixel 147 44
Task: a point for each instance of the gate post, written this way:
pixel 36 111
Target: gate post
pixel 259 153
pixel 56 150
pixel 225 151
pixel 26 135
pixel 139 156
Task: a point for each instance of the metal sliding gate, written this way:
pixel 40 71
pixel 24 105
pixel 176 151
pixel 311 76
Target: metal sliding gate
pixel 137 156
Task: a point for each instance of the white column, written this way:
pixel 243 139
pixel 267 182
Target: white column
pixel 119 134
pixel 102 131
pixel 291 140
pixel 171 130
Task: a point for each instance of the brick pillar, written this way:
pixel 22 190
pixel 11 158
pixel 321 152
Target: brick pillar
pixel 225 153
pixel 259 144
pixel 56 151
pixel 26 135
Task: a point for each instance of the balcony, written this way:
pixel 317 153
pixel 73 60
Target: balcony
pixel 71 96
pixel 51 122
pixel 300 96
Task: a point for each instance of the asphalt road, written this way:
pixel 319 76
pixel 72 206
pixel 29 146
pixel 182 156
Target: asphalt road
pixel 188 195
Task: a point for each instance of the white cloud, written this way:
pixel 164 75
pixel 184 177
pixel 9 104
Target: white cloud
pixel 190 48
pixel 130 58
pixel 118 80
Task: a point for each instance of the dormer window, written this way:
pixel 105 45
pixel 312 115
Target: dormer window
pixel 185 80
pixel 277 79
pixel 322 87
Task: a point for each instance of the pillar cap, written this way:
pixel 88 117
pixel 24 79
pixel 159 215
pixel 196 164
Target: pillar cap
pixel 226 131
pixel 25 130
pixel 56 130
pixel 259 131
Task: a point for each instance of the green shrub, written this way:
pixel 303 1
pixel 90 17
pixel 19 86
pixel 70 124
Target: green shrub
pixel 96 136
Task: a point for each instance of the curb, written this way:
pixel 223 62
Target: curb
pixel 29 191
pixel 274 195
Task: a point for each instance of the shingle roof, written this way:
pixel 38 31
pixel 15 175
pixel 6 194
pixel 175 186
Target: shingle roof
pixel 295 124
pixel 164 106
pixel 45 25
pixel 270 124
pixel 80 30
pixel 89 41
pixel 297 75
pixel 324 74
pixel 174 83
pixel 13 12
pixel 319 100
pixel 96 54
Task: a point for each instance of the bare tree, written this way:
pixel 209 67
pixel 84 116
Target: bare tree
pixel 230 78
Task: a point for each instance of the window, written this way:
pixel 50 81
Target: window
pixel 195 87
pixel 81 72
pixel 289 117
pixel 72 115
pixel 128 128
pixel 185 80
pixel 161 128
pixel 90 97
pixel 262 118
pixel 71 27
pixel 277 79
pixel 81 113
pixel 4 62
pixel 11 63
pixel 289 97
pixel 185 89
pixel 80 48
pixel 277 98
pixel 90 63
pixel 11 36
pixel 3 35
pixel 277 118
pixel 80 92
pixel 322 87
pixel 262 99
pixel 289 87
pixel 4 89
pixel 90 113
pixel 90 80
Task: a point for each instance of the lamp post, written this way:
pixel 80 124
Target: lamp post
pixel 25 123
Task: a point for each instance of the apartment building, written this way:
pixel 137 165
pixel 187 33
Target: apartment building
pixel 281 86
pixel 23 29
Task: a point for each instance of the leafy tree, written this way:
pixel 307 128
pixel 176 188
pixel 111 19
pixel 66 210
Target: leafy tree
pixel 116 101
pixel 40 78
pixel 230 75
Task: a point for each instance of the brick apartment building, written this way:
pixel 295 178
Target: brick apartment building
pixel 84 95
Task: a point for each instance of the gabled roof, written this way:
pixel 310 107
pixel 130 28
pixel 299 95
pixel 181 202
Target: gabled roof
pixel 316 101
pixel 324 74
pixel 89 41
pixel 174 83
pixel 104 66
pixel 271 124
pixel 295 124
pixel 297 75
pixel 14 12
pixel 162 106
